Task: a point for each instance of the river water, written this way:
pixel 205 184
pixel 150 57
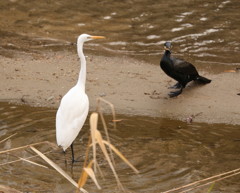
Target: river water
pixel 202 31
pixel 168 153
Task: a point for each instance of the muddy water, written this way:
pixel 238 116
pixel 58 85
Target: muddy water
pixel 204 32
pixel 167 153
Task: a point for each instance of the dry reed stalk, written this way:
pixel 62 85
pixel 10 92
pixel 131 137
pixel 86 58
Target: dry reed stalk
pixel 84 176
pixel 27 146
pixel 100 171
pixel 104 150
pixel 208 183
pixel 27 158
pixel 57 168
pixel 211 187
pixel 93 127
pixel 121 156
pixel 87 170
pixel 229 174
pixel 90 173
pixel 8 137
pixel 104 122
pixel 112 109
pixel 107 135
pixel 97 138
pixel 31 162
pixel 34 163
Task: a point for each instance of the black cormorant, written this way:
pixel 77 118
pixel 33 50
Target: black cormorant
pixel 180 70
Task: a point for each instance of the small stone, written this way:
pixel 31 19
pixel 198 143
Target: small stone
pixel 102 94
pixel 50 98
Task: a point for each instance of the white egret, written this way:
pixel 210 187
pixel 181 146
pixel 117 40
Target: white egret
pixel 74 106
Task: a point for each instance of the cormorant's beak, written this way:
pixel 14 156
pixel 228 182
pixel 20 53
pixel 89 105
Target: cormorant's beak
pixel 166 48
pixel 97 37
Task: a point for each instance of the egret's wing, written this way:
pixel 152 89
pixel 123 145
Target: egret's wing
pixel 71 116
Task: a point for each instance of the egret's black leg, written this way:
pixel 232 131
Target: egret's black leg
pixel 176 93
pixel 175 86
pixel 65 157
pixel 73 160
pixel 73 157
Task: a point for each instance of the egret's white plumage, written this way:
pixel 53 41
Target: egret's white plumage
pixel 74 106
pixel 71 116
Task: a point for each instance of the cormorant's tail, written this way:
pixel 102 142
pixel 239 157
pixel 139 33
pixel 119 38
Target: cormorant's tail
pixel 203 80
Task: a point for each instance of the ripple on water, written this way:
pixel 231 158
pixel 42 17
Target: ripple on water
pixel 135 28
pixel 167 153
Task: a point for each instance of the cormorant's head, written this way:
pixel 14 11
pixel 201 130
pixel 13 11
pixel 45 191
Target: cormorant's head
pixel 167 46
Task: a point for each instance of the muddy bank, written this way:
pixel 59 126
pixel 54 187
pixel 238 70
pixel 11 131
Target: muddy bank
pixel 134 87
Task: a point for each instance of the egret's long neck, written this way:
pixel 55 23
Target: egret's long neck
pixel 82 75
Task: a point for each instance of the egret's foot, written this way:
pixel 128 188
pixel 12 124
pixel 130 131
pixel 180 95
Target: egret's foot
pixel 75 160
pixel 175 86
pixel 174 94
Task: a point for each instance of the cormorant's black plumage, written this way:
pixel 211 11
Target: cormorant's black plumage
pixel 180 70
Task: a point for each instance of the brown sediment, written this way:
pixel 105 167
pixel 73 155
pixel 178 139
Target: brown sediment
pixel 134 87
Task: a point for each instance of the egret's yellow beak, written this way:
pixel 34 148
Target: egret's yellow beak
pixel 97 37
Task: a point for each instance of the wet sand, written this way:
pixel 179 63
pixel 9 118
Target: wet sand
pixel 134 87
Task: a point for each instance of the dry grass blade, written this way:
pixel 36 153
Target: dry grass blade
pixel 230 71
pixel 226 174
pixel 8 138
pixel 27 146
pixel 56 167
pixel 121 156
pixel 208 183
pixel 104 150
pixel 97 138
pixel 107 135
pixel 112 109
pixel 90 173
pixel 104 122
pixel 211 187
pixel 34 163
pixel 27 158
pixel 100 171
pixel 93 126
pixel 118 120
pixel 84 176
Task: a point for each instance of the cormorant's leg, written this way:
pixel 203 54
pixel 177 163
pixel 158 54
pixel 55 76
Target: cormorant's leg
pixel 176 93
pixel 175 86
pixel 73 160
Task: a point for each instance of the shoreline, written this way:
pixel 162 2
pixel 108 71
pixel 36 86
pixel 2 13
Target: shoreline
pixel 133 87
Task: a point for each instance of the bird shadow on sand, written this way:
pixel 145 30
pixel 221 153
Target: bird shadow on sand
pixel 191 87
